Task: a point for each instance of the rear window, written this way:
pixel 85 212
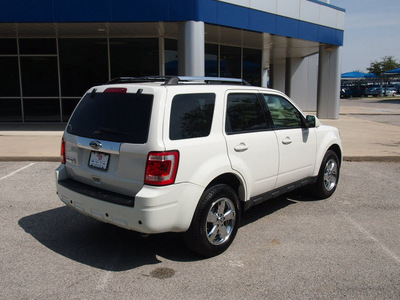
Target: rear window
pixel 113 117
pixel 191 116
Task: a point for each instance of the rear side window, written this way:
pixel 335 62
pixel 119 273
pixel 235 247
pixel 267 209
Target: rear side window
pixel 191 116
pixel 113 117
pixel 244 114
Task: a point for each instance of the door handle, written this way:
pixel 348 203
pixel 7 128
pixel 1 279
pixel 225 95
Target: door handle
pixel 241 147
pixel 286 141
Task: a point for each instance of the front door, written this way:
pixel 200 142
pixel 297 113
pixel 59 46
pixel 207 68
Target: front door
pixel 297 143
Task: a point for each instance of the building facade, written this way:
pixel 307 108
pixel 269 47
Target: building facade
pixel 52 51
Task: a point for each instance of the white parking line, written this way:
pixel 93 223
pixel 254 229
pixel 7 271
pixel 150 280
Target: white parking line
pixel 371 237
pixel 15 172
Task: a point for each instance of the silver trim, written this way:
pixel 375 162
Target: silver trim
pixel 106 146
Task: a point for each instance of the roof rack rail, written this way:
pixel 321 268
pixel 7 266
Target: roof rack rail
pixel 207 80
pixel 173 80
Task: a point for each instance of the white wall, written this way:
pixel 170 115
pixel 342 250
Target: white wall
pixel 303 10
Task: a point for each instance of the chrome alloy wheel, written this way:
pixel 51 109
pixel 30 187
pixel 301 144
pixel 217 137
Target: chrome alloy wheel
pixel 330 174
pixel 221 220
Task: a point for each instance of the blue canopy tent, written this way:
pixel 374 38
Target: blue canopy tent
pixel 393 72
pixel 353 84
pixel 358 76
pixel 353 75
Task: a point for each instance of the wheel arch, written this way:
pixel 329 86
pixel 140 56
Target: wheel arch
pixel 335 148
pixel 232 180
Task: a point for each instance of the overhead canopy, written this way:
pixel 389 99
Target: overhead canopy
pixel 358 76
pixel 393 72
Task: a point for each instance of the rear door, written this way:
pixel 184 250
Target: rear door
pixel 106 140
pixel 251 143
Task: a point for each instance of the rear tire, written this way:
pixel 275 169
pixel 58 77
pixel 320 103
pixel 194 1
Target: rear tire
pixel 328 176
pixel 215 222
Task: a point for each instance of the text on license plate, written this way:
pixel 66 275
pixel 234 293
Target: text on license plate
pixel 99 160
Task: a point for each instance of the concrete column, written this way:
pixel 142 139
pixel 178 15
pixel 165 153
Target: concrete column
pixel 279 74
pixel 191 48
pixel 303 87
pixel 328 97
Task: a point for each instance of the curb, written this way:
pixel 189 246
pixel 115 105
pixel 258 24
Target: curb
pixel 395 159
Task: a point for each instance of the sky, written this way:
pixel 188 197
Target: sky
pixel 372 31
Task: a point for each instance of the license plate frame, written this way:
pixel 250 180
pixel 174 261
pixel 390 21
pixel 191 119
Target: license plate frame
pixel 99 160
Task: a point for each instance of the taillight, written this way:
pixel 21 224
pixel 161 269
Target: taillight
pixel 115 90
pixel 63 159
pixel 161 168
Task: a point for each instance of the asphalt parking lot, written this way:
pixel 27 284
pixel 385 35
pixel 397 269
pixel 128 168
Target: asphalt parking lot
pixel 345 247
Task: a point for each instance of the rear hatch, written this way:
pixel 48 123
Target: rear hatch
pixel 105 140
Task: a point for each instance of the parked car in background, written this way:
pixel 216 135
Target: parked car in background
pixel 348 92
pixel 390 91
pixel 372 91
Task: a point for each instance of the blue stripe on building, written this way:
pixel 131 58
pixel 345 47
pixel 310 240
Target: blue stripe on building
pixel 210 11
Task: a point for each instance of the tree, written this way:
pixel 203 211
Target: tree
pixel 386 63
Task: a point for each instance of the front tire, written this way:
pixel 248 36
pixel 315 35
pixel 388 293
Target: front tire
pixel 328 176
pixel 215 222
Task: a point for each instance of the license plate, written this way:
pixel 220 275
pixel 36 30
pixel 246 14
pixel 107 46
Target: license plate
pixel 99 160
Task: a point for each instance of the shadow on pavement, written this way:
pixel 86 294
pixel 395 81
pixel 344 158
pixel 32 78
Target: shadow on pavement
pixel 111 248
pixel 101 245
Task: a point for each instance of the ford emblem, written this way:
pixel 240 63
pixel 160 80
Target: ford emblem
pixel 95 144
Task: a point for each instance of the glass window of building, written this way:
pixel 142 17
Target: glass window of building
pixel 9 77
pixel 83 63
pixel 10 110
pixel 211 57
pixel 8 46
pixel 134 57
pixel 171 57
pixel 41 110
pixel 252 66
pixel 37 46
pixel 230 62
pixel 39 76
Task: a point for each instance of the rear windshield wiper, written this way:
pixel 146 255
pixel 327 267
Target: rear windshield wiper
pixel 110 130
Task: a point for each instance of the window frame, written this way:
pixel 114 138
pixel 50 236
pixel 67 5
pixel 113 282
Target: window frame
pixel 170 125
pixel 268 123
pixel 269 115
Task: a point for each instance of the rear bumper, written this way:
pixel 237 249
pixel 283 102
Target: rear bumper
pixel 156 209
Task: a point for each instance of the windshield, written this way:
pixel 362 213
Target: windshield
pixel 113 117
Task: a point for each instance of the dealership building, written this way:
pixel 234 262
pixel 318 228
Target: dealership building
pixel 53 51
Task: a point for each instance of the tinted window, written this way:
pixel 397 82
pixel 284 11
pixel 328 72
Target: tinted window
pixel 230 62
pixel 9 79
pixel 113 117
pixel 37 46
pixel 191 116
pixel 283 113
pixel 244 113
pixel 134 57
pixel 171 57
pixel 83 63
pixel 252 66
pixel 39 76
pixel 42 110
pixel 10 110
pixel 8 46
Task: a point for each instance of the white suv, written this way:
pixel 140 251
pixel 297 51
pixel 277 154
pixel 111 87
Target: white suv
pixel 185 154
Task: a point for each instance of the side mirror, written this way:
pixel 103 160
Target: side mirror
pixel 312 121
